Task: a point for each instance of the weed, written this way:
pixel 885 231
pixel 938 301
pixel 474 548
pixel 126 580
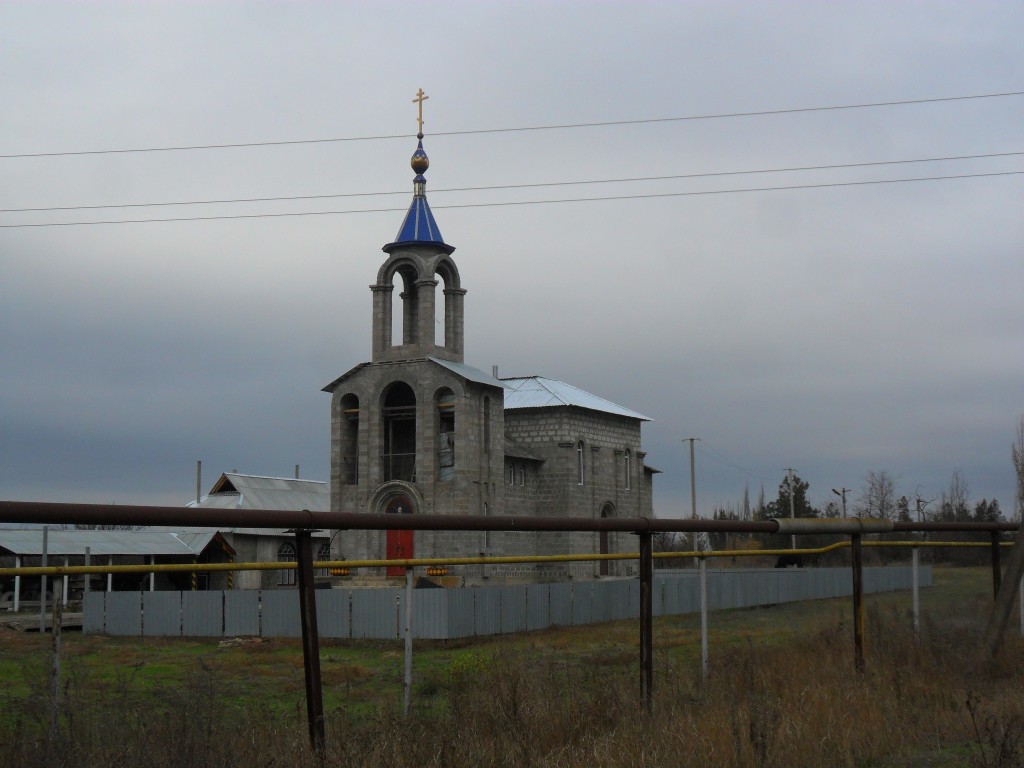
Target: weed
pixel 781 691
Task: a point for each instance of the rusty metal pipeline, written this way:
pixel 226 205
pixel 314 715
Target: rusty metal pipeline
pixel 844 525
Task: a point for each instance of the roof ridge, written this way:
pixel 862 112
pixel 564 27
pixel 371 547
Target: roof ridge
pixel 272 477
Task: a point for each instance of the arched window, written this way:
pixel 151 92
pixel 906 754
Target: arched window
pixel 349 439
pixel 627 467
pixel 323 553
pixel 579 463
pixel 510 476
pixel 445 433
pixel 286 554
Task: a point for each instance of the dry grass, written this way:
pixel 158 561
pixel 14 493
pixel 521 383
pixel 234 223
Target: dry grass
pixel 781 691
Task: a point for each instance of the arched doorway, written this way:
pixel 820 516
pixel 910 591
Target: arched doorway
pixel 399 544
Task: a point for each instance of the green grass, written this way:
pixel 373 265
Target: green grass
pixel 781 691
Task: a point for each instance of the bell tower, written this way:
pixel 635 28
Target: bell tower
pixel 415 428
pixel 416 260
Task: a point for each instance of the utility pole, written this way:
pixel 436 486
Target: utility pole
pixel 842 492
pixel 792 514
pixel 693 490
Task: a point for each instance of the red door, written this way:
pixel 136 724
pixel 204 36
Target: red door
pixel 399 543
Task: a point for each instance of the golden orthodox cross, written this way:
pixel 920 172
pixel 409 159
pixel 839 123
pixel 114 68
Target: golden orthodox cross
pixel 420 98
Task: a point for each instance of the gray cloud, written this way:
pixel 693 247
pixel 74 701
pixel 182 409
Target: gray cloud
pixel 838 330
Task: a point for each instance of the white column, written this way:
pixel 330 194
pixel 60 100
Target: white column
pixel 152 574
pixel 110 576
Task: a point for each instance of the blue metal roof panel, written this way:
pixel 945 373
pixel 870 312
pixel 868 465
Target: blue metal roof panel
pixel 419 225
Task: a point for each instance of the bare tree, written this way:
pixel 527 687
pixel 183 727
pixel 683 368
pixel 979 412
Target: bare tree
pixel 878 499
pixel 954 502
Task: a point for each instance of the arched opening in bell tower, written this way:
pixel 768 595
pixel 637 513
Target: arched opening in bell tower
pixel 440 311
pixel 403 322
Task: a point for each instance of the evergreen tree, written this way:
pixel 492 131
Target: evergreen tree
pixel 780 507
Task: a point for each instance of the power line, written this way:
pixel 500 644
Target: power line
pixel 718 456
pixel 519 129
pixel 834 166
pixel 519 202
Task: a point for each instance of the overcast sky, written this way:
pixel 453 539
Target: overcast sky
pixel 839 328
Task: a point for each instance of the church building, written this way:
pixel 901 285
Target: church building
pixel 417 430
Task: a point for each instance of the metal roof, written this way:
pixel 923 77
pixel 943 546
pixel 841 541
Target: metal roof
pixel 193 533
pixel 334 384
pixel 460 369
pixel 539 392
pixel 74 542
pixel 419 227
pixel 234 490
pixel 468 372
pixel 237 491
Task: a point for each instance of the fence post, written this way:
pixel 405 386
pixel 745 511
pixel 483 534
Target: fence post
pixel 310 639
pixel 42 584
pixel 997 573
pixel 917 597
pixel 408 642
pixel 646 619
pixel 858 603
pixel 704 617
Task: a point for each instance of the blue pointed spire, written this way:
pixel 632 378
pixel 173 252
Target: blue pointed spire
pixel 419 226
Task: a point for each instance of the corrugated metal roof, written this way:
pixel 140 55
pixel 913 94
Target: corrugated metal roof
pixel 74 542
pixel 468 372
pixel 539 392
pixel 238 491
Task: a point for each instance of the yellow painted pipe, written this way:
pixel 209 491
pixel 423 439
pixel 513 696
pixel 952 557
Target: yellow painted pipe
pixel 62 570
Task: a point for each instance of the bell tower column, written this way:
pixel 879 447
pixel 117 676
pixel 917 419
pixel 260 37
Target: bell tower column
pixel 454 335
pixel 381 319
pixel 425 292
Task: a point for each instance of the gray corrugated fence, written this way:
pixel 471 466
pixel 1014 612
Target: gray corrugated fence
pixel 442 614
